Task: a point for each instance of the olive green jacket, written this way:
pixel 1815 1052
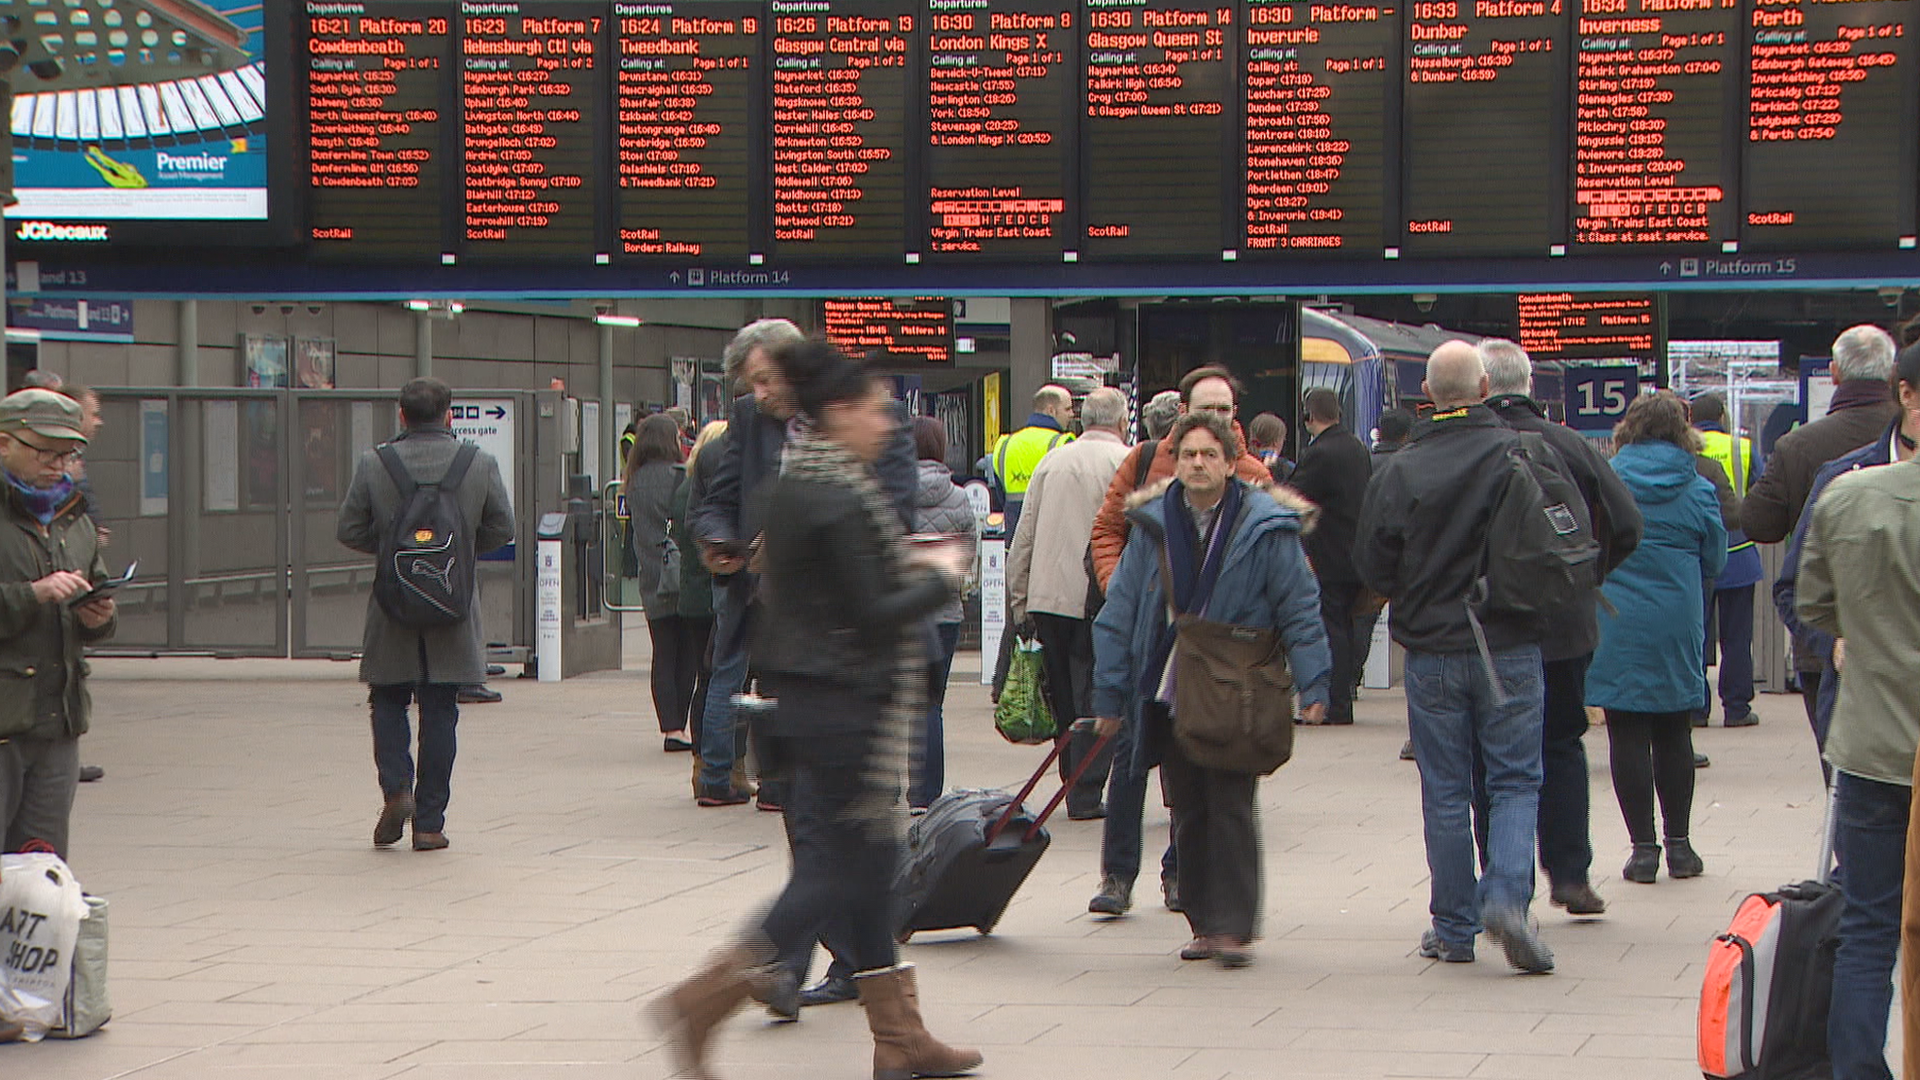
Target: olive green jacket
pixel 43 691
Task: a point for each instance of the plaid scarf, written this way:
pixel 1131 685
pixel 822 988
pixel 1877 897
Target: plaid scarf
pixel 812 458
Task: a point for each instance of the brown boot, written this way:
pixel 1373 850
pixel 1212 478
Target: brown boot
pixel 902 1046
pixel 691 1011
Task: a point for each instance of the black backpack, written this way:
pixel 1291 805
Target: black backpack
pixel 1540 555
pixel 426 572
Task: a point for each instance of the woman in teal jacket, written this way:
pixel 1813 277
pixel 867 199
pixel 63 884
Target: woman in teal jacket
pixel 1647 671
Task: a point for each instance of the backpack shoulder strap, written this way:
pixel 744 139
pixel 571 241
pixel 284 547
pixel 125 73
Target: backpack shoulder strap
pixel 397 470
pixel 457 468
pixel 1143 467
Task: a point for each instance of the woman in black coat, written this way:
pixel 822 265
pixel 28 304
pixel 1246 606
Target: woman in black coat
pixel 837 646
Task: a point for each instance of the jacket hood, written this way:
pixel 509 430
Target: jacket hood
pixel 1294 510
pixel 1656 472
pixel 935 480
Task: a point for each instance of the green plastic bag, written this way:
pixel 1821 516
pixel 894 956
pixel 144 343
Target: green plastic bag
pixel 1022 714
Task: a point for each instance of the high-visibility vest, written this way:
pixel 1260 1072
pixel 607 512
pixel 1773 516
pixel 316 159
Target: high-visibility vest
pixel 1016 456
pixel 1736 457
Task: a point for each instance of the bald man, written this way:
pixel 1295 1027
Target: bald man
pixel 1421 542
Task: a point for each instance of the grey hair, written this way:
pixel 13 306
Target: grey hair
pixel 1160 413
pixel 1104 408
pixel 1863 352
pixel 1455 374
pixel 767 334
pixel 1509 368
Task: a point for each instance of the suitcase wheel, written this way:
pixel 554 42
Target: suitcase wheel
pixel 903 938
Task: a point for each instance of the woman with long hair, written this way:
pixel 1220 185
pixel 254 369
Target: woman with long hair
pixel 838 647
pixel 653 472
pixel 695 602
pixel 1647 671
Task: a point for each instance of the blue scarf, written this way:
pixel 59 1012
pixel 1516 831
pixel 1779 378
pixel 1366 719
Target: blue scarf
pixel 43 503
pixel 1194 572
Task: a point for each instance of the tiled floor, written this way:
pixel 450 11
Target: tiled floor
pixel 257 934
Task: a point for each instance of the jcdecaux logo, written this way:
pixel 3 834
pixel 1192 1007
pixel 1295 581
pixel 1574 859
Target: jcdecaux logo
pixel 72 234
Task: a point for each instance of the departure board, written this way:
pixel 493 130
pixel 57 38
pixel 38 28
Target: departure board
pixel 1484 133
pixel 1653 151
pixel 1155 133
pixel 1830 132
pixel 686 82
pixel 1318 77
pixel 1586 326
pixel 843 74
pixel 375 156
pixel 531 89
pixel 1001 78
pixel 890 330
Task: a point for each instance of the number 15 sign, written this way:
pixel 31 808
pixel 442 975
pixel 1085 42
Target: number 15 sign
pixel 1598 394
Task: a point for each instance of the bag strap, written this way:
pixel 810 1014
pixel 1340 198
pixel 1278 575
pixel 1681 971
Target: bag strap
pixel 1143 465
pixel 397 470
pixel 457 469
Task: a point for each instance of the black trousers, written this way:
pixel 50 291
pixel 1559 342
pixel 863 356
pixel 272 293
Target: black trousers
pixel 1337 601
pixel 841 883
pixel 679 660
pixel 1218 833
pixel 1566 843
pixel 1652 753
pixel 1067 646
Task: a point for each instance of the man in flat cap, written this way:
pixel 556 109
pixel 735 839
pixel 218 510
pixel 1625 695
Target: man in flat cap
pixel 49 558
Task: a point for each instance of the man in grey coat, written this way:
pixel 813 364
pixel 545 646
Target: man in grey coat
pixel 402 664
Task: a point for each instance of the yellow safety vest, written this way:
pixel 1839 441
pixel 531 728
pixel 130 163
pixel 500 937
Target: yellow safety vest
pixel 1016 456
pixel 1736 457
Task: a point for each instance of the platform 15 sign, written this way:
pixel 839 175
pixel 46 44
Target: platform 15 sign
pixel 1598 395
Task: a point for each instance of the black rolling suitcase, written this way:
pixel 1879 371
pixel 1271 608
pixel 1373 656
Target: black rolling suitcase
pixel 971 851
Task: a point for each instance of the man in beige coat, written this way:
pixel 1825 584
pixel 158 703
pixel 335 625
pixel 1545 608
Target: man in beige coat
pixel 1047 578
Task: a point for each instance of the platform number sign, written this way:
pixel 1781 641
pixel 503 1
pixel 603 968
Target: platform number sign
pixel 1598 394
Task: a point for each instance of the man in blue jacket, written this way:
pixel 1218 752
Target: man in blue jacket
pixel 1233 554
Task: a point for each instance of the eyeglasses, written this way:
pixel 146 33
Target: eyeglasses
pixel 50 456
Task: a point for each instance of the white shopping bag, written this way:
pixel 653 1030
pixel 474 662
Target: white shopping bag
pixel 40 912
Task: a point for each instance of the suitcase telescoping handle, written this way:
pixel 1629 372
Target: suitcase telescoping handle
pixel 1829 821
pixel 1053 755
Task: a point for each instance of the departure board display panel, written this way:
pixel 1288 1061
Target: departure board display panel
pixel 1318 76
pixel 1586 326
pixel 1654 154
pixel 843 75
pixel 531 92
pixel 1001 82
pixel 1484 130
pixel 1158 90
pixel 376 154
pixel 687 79
pixel 890 330
pixel 1830 131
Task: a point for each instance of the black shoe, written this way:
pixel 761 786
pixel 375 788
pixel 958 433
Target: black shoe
pixel 1579 899
pixel 1115 898
pixel 724 795
pixel 1700 760
pixel 1086 813
pixel 1170 891
pixel 1406 750
pixel 831 990
pixel 1682 860
pixel 494 671
pixel 1644 865
pixel 673 744
pixel 1519 940
pixel 1746 720
pixel 90 773
pixel 477 695
pixel 780 993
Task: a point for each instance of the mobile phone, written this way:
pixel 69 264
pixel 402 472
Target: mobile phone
pixel 104 589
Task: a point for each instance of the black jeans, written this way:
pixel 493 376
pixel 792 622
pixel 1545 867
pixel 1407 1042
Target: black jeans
pixel 1566 844
pixel 679 664
pixel 393 747
pixel 1067 646
pixel 844 859
pixel 1217 831
pixel 927 772
pixel 1652 753
pixel 1337 601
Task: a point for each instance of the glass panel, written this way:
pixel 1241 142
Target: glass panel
pixel 114 468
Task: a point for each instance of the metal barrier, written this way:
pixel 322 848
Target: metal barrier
pixel 229 498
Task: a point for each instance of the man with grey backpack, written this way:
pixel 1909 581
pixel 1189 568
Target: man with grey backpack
pixel 425 505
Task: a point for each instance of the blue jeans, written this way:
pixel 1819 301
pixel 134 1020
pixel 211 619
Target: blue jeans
pixel 729 678
pixel 1871 824
pixel 393 747
pixel 1730 633
pixel 1121 833
pixel 1451 712
pixel 928 773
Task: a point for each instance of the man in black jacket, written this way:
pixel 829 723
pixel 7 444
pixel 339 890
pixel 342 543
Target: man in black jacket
pixel 1422 543
pixel 1566 846
pixel 1333 472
